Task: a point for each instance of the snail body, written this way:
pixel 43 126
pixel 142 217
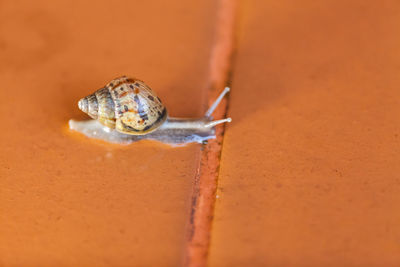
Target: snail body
pixel 134 110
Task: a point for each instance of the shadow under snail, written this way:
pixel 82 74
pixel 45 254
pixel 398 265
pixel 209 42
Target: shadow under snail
pixel 128 110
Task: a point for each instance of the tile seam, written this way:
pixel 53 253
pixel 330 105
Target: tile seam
pixel 205 183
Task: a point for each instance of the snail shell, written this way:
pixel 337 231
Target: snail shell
pixel 126 104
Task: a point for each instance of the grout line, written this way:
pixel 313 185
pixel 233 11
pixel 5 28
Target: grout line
pixel 206 178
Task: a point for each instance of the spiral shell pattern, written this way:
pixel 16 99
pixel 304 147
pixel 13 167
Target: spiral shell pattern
pixel 126 104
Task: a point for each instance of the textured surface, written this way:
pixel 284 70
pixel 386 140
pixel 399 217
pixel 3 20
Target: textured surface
pixel 310 166
pixel 66 200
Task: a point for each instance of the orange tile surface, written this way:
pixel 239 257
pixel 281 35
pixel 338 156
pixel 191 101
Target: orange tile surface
pixel 66 200
pixel 310 167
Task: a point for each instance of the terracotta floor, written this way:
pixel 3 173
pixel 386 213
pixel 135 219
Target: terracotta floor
pixel 309 168
pixel 66 200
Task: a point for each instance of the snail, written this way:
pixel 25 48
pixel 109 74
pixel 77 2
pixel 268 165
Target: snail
pixel 129 110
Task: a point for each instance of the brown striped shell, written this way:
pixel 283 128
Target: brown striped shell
pixel 126 104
